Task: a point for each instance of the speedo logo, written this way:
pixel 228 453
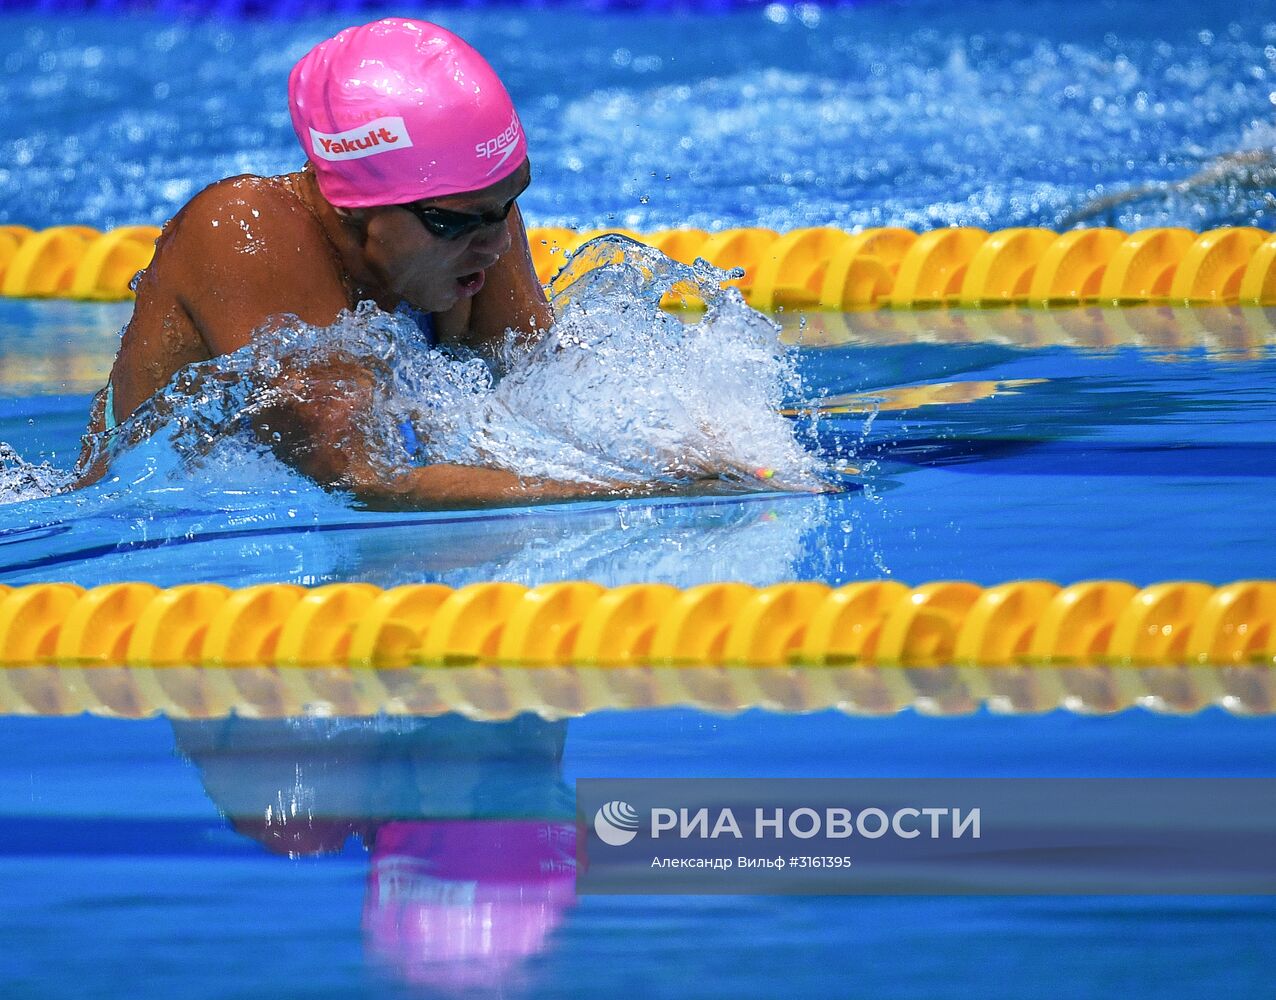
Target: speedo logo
pixel 380 136
pixel 503 144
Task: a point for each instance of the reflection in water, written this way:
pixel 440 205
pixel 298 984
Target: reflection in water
pixel 463 904
pixel 1225 333
pixel 470 830
pixel 227 537
pixel 913 396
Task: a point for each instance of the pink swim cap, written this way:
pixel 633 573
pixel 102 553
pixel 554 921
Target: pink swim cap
pixel 400 110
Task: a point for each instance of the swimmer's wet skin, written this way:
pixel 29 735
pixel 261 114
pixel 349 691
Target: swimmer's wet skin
pixel 409 196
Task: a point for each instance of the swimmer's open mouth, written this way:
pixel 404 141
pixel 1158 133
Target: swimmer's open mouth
pixel 471 283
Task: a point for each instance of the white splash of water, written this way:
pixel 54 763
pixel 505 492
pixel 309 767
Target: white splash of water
pixel 620 390
pixel 21 480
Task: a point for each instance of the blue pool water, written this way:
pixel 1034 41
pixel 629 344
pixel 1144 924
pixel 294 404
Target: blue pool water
pixel 122 879
pixel 916 113
pixel 1135 445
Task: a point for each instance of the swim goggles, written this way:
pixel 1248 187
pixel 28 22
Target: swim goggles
pixel 449 225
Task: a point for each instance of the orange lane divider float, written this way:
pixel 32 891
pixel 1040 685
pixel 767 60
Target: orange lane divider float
pixel 820 268
pixel 491 650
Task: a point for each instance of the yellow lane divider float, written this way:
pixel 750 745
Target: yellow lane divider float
pixel 73 262
pixel 809 269
pixel 493 650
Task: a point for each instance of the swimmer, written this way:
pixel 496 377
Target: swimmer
pixel 416 162
pixel 1247 170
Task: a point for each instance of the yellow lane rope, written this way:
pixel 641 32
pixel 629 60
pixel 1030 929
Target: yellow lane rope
pixel 820 268
pixel 492 650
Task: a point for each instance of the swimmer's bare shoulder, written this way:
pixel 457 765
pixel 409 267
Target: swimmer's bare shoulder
pixel 246 249
pixel 241 250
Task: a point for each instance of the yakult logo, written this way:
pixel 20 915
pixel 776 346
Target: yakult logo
pixel 380 136
pixel 502 144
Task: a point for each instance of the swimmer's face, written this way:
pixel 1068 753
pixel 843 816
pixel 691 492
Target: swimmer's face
pixel 434 272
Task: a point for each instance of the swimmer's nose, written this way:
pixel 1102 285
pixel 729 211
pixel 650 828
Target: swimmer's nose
pixel 491 240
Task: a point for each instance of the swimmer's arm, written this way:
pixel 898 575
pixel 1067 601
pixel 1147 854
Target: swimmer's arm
pixel 447 487
pixel 1250 169
pixel 317 423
